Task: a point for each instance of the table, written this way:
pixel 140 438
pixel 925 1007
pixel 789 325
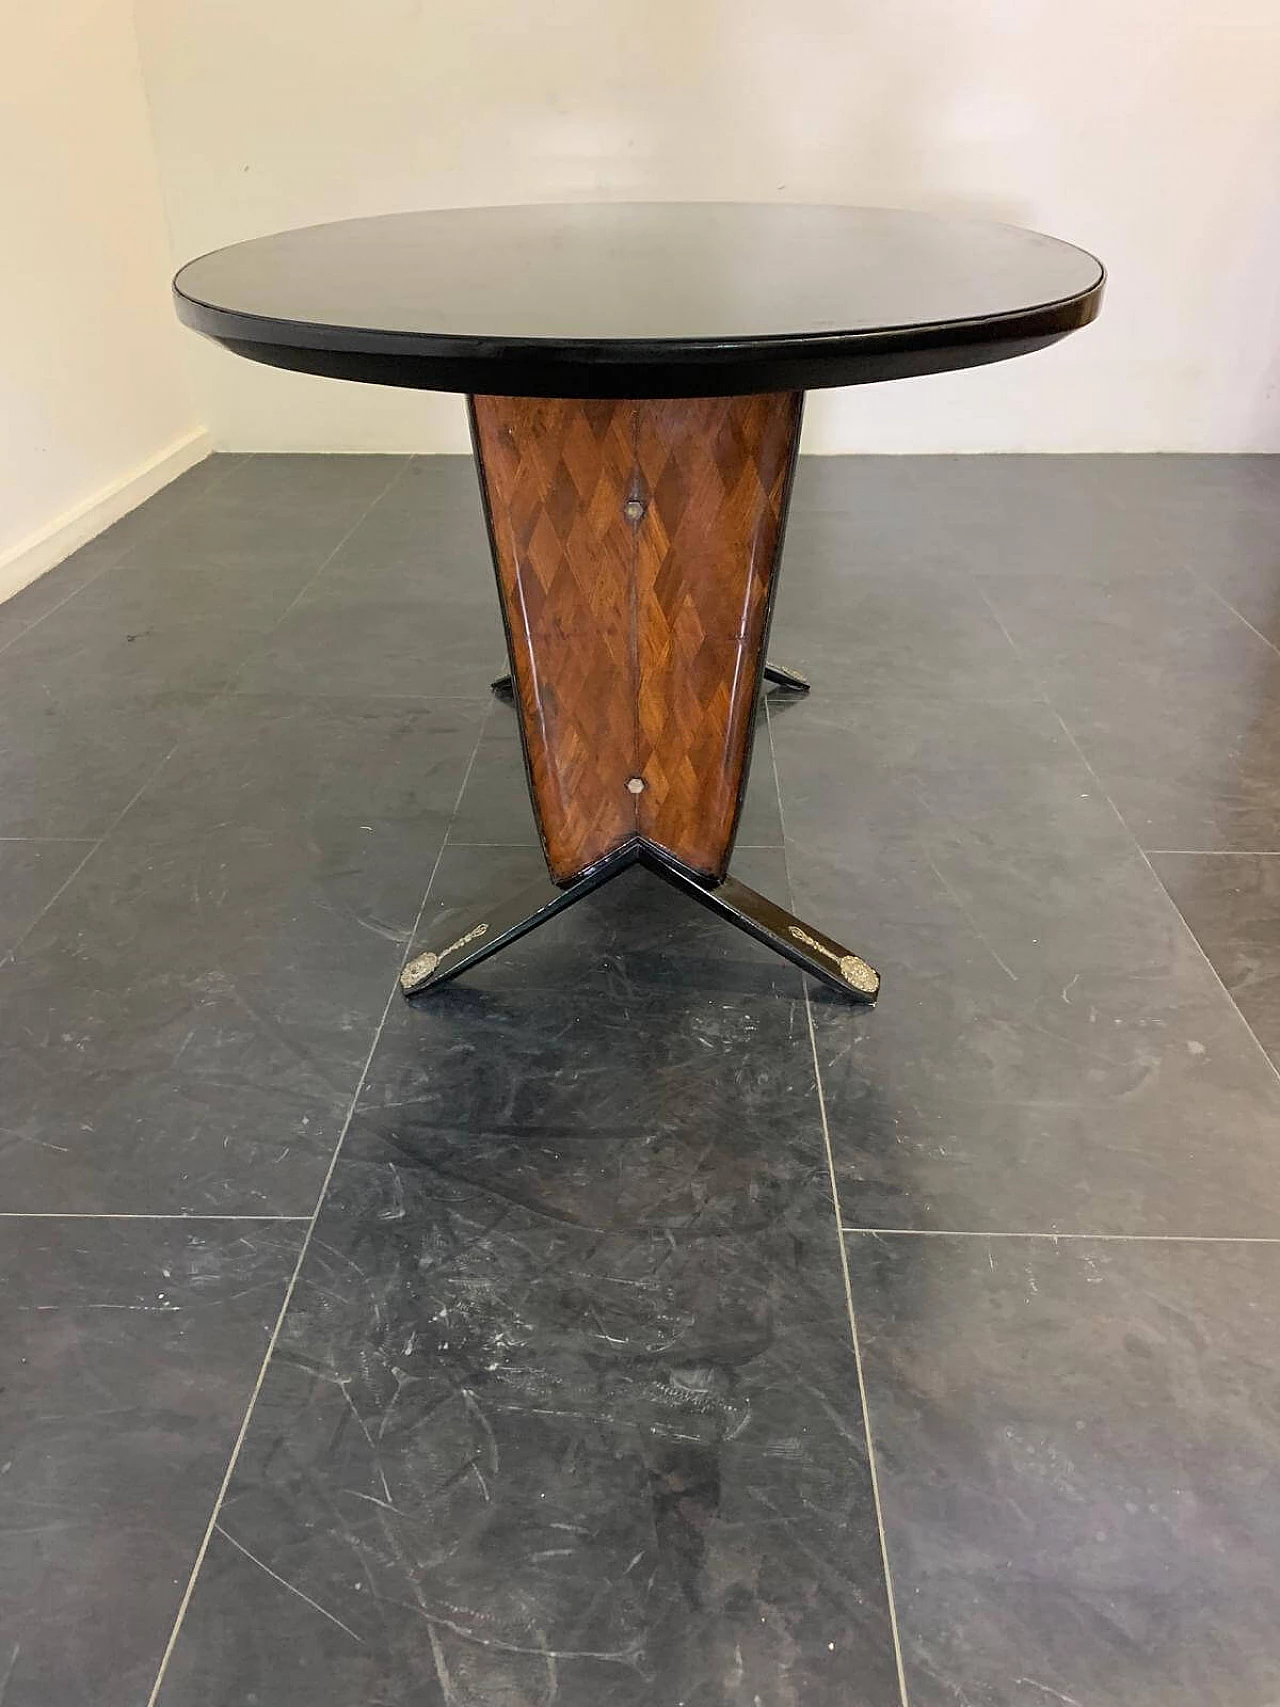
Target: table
pixel 635 376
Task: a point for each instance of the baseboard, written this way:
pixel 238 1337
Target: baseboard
pixel 31 557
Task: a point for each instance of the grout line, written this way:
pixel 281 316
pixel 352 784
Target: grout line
pixel 1224 600
pixel 284 1582
pixel 857 1359
pixel 848 1286
pixel 317 696
pixel 1110 1238
pixel 1143 853
pixel 1216 853
pixel 11 952
pixel 238 1445
pixel 127 1215
pixel 115 561
pixel 56 840
pixel 374 696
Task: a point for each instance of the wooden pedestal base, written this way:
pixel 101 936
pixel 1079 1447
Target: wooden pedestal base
pixel 636 545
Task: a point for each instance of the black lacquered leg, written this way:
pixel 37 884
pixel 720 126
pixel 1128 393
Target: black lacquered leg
pixel 763 919
pixel 775 673
pixel 791 679
pixel 457 943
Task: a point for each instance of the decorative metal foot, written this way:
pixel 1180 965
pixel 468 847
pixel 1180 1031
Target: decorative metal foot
pixel 783 678
pixel 792 680
pixel 459 944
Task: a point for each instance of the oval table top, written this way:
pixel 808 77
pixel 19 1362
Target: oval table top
pixel 640 299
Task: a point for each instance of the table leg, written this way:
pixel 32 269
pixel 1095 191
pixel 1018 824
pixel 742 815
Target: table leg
pixel 636 545
pixel 458 943
pixel 781 677
pixel 769 923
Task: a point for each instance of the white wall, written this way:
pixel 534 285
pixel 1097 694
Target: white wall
pixel 1147 130
pixel 96 401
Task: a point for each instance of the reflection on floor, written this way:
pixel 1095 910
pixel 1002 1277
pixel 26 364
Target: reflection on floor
pixel 566 1403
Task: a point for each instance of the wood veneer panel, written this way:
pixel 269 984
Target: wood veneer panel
pixel 636 547
pixel 717 471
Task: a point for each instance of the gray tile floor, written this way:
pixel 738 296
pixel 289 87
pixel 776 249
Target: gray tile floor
pixel 501 1350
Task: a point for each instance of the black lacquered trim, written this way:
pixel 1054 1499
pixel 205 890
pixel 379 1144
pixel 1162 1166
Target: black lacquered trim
pixel 533 367
pixel 456 942
pixel 762 654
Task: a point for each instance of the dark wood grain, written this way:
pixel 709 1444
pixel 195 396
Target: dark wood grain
pixel 636 547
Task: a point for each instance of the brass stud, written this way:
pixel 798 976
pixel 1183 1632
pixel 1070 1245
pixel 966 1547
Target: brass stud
pixel 635 784
pixel 634 509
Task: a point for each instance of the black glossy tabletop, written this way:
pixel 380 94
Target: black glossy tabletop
pixel 640 299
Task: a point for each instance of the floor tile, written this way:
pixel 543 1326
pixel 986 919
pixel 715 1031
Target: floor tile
pixel 413 545
pixel 185 1027
pixel 1232 903
pixel 528 1459
pixel 859 629
pixel 849 484
pixel 441 483
pixel 1018 516
pixel 906 772
pixel 565 1407
pixel 1003 514
pixel 131 631
pixel 128 1352
pixel 391 646
pixel 298 486
pixel 1076 1444
pixel 1173 700
pixel 1164 483
pixel 1230 544
pixel 1050 1050
pixel 496 807
pixel 1249 585
pixel 217 582
pixel 31 874
pixel 291 512
pixel 73 756
pixel 960 1105
pixel 95 695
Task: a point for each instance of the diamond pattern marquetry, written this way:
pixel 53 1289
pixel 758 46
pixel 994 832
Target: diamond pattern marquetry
pixel 636 548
